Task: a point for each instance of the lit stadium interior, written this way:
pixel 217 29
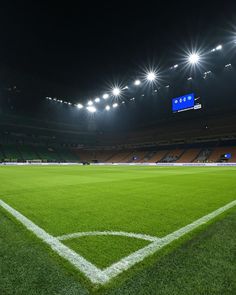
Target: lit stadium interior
pixel 118 149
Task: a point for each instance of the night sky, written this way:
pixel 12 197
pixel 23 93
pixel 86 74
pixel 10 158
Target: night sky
pixel 76 50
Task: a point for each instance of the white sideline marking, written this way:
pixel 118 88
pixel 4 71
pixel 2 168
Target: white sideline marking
pixel 95 274
pixel 90 270
pixel 108 233
pixel 139 255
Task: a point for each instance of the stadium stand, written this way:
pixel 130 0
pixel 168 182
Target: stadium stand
pixel 173 156
pixel 121 156
pixel 203 155
pixel 189 155
pixel 204 140
pixel 139 157
pixel 2 155
pixel 28 152
pixel 216 155
pixel 158 156
pixel 148 156
pixel 66 155
pixel 11 153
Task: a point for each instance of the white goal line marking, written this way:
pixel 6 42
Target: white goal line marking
pixel 96 275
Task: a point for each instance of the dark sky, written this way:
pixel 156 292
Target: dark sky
pixel 75 50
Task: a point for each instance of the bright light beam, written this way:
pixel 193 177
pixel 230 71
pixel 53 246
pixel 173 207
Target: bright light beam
pixel 137 82
pixel 194 58
pixel 116 91
pixel 151 76
pixel 91 109
pixel 79 106
pixel 105 96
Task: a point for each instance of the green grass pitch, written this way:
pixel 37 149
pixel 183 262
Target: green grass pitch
pixel 154 201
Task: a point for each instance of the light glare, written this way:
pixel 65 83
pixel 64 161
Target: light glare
pixel 105 96
pixel 116 91
pixel 137 82
pixel 91 109
pixel 219 47
pixel 193 58
pixel 79 105
pixel 151 76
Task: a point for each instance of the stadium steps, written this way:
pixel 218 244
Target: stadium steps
pixel 127 158
pixel 141 156
pixel 218 151
pixel 66 155
pixel 181 155
pixel 149 155
pixel 12 153
pixel 159 155
pixel 103 155
pixel 164 157
pixel 28 153
pixel 108 159
pixel 199 153
pixel 2 155
pixel 119 157
pixel 204 155
pixel 189 155
pixel 48 153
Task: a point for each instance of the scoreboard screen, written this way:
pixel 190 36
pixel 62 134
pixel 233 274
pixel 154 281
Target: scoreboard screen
pixel 183 103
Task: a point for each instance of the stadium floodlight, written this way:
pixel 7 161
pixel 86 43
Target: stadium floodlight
pixel 137 82
pixel 90 103
pixel 116 91
pixel 97 99
pixel 107 108
pixel 219 47
pixel 193 58
pixel 151 76
pixel 91 109
pixel 175 66
pixel 79 105
pixel 115 105
pixel 105 96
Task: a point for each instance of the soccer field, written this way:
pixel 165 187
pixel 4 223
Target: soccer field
pixel 111 222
